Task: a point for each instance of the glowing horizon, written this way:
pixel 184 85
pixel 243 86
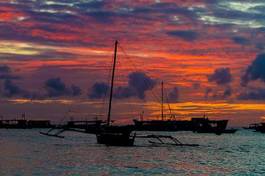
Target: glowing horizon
pixel 201 50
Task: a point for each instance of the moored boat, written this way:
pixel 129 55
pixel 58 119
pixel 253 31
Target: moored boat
pixel 204 125
pixel 114 135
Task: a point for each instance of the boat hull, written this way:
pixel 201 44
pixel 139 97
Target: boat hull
pixel 116 136
pixel 112 139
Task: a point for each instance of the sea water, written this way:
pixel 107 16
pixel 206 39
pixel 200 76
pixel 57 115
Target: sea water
pixel 26 153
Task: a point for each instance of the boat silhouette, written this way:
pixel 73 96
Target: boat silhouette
pixel 198 125
pixel 109 134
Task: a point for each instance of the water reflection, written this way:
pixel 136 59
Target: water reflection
pixel 25 152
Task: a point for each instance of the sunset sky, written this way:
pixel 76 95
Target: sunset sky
pixel 56 55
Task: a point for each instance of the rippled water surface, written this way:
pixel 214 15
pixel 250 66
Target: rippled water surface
pixel 25 152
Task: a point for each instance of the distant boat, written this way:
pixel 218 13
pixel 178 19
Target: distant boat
pixel 22 123
pixel 253 126
pixel 259 127
pixel 204 125
pixel 162 124
pixel 199 125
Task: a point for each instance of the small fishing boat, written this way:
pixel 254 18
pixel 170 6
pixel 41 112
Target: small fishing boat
pixel 163 124
pixel 199 125
pixel 204 125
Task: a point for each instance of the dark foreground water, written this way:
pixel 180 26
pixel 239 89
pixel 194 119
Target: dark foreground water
pixel 25 153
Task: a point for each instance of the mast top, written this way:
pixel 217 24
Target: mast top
pixel 112 81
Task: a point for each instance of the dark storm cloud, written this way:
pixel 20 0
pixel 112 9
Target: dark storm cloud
pixel 91 5
pixel 173 95
pixel 241 40
pixel 185 35
pixel 55 87
pixel 99 90
pixel 7 76
pixel 6 73
pixel 4 69
pixel 124 92
pixel 10 89
pixel 138 84
pixel 76 91
pixel 166 9
pixel 221 76
pixel 253 94
pixel 255 71
pixel 227 92
pixel 103 16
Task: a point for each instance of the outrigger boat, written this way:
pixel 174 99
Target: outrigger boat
pixel 109 134
pixel 106 133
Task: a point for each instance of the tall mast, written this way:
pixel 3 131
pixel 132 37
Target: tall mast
pixel 162 100
pixel 112 81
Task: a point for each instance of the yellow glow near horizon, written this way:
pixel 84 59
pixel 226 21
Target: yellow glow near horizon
pixel 213 106
pixel 191 106
pixel 17 48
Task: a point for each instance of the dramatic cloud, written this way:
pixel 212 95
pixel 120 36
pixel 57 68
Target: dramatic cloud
pixel 99 90
pixel 255 71
pixel 7 76
pixel 173 95
pixel 55 87
pixel 76 91
pixel 227 92
pixel 4 69
pixel 138 84
pixel 221 76
pixel 253 94
pixel 185 35
pixel 10 89
pixel 241 40
pixel 5 73
pixel 124 92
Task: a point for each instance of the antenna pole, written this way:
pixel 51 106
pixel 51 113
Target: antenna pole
pixel 112 81
pixel 162 100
